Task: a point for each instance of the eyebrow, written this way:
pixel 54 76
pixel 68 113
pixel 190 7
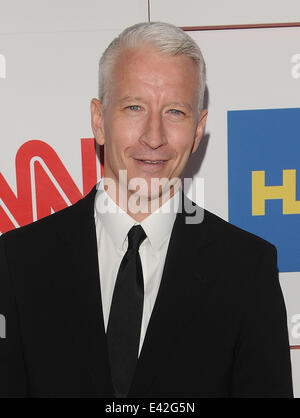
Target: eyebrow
pixel 139 99
pixel 128 98
pixel 181 104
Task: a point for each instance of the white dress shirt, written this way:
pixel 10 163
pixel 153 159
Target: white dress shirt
pixel 112 227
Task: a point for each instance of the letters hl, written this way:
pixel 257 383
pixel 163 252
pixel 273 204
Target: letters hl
pixel 263 178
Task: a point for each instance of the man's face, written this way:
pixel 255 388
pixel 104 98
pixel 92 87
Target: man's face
pixel 150 124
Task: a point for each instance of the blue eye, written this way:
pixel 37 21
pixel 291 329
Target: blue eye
pixel 134 108
pixel 176 112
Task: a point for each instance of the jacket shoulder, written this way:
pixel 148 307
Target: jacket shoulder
pixel 57 222
pixel 234 236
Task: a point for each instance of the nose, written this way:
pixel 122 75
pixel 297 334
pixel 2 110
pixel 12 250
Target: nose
pixel 153 133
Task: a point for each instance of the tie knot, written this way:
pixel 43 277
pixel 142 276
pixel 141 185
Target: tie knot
pixel 136 236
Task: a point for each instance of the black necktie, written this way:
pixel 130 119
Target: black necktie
pixel 125 317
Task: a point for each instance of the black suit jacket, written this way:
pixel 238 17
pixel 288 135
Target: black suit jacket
pixel 218 327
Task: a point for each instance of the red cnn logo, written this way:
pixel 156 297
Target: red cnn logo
pixel 44 185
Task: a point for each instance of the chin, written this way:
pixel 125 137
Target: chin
pixel 144 192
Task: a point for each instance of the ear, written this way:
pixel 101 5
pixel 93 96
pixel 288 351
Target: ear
pixel 200 129
pixel 97 119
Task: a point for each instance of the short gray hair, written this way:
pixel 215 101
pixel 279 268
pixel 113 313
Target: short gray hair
pixel 166 38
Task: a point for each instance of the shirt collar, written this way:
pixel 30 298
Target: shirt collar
pixel 157 226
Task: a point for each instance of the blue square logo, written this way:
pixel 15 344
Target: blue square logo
pixel 264 178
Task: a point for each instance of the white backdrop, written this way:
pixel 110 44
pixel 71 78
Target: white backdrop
pixel 49 53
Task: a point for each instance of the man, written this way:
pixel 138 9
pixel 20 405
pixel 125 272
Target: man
pixel 121 294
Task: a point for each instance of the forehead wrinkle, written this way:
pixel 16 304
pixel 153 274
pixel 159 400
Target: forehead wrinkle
pixel 129 72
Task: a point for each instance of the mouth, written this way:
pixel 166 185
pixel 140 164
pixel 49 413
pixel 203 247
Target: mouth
pixel 151 165
pixel 152 161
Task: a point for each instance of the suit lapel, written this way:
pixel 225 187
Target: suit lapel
pixel 180 275
pixel 80 246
